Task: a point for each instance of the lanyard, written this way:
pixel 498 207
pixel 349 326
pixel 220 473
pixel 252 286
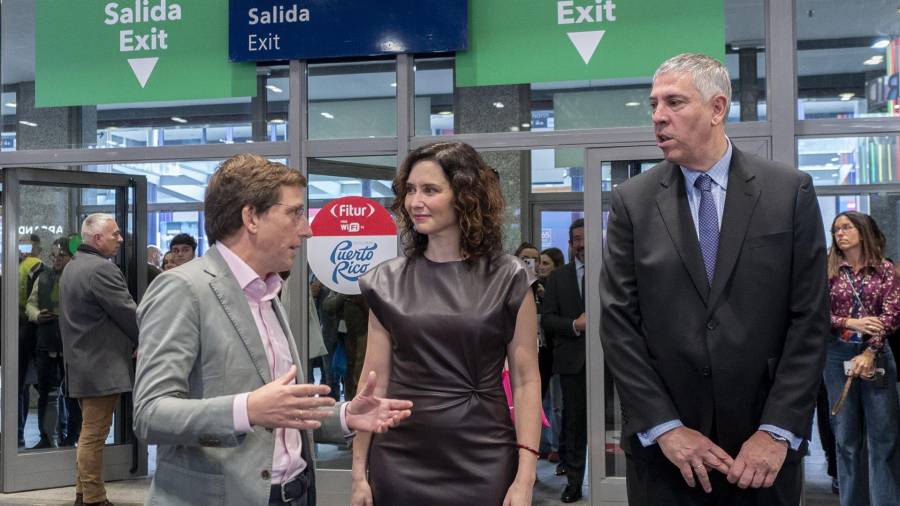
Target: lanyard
pixel 857 293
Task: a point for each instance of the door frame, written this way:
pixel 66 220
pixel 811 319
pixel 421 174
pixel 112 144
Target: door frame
pixel 56 468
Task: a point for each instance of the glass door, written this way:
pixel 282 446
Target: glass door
pixel 41 217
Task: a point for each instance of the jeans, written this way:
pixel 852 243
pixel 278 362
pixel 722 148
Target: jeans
pixel 50 376
pixel 869 417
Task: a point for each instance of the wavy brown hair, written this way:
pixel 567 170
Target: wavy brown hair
pixel 871 239
pixel 477 200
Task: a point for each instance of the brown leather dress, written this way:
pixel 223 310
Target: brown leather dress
pixel 449 325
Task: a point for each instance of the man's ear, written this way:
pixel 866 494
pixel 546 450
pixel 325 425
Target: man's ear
pixel 720 104
pixel 250 218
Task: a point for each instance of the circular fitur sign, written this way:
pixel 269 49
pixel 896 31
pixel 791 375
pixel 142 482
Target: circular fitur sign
pixel 350 236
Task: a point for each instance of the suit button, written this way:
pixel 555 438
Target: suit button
pixel 266 474
pixel 711 325
pixel 707 372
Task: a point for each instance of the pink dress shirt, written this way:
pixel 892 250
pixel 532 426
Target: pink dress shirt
pixel 286 461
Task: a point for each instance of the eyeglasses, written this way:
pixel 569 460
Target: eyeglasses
pixel 846 227
pixel 296 212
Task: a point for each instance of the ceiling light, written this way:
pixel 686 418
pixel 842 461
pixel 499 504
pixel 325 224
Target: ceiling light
pixel 513 129
pixel 846 96
pixel 632 104
pixel 835 159
pixel 249 141
pixel 27 123
pixel 178 119
pixel 393 85
pixel 872 61
pixel 499 105
pixel 226 141
pixel 10 104
pixel 273 88
pixel 277 121
pixel 526 125
pixel 881 44
pixel 328 115
pixel 446 113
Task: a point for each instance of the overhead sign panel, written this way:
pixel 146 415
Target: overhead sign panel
pixel 103 51
pixel 513 41
pixel 310 29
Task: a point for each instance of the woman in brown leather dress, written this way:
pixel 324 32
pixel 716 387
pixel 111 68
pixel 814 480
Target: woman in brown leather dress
pixel 443 319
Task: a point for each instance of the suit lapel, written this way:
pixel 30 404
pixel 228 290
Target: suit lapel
pixel 234 302
pixel 676 214
pixel 740 201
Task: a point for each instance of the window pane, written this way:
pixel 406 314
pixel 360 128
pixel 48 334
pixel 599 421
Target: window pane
pixel 847 59
pixel 850 160
pixel 557 170
pixel 227 120
pixel 348 100
pixel 443 109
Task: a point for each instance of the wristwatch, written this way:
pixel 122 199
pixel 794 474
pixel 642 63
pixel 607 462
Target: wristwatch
pixel 778 437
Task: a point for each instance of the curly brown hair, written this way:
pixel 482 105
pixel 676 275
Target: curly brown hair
pixel 477 200
pixel 245 179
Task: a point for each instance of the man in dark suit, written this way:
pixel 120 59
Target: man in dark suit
pixel 714 334
pixel 564 320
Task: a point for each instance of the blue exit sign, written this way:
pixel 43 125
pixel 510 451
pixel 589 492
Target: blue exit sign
pixel 261 30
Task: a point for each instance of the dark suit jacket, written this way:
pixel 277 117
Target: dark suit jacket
pixel 747 351
pixel 561 306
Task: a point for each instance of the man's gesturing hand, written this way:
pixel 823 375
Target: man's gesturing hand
pixel 759 461
pixel 284 404
pixel 693 453
pixel 367 413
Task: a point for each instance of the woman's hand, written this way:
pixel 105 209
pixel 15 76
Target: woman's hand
pixel 863 364
pixel 519 494
pixel 360 493
pixel 868 325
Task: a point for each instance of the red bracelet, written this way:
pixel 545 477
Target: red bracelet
pixel 528 448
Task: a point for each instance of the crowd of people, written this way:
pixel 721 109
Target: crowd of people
pixel 722 314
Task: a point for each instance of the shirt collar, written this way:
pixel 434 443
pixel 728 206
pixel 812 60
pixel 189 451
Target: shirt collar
pixel 718 172
pixel 252 285
pixel 578 263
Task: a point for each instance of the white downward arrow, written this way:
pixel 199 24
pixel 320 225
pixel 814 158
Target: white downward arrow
pixel 142 68
pixel 586 43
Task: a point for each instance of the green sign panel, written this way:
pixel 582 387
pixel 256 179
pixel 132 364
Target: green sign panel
pixel 102 51
pixel 527 41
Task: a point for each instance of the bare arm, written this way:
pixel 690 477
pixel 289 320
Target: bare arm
pixel 526 386
pixel 378 359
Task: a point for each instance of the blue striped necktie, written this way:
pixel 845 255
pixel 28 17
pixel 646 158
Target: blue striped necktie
pixel 708 221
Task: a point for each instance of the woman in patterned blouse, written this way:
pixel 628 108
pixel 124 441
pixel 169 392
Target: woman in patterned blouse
pixel 865 306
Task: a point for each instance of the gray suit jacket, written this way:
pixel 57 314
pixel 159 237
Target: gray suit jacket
pixel 200 348
pixel 98 326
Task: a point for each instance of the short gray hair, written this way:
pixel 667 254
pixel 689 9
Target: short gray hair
pixel 93 224
pixel 709 75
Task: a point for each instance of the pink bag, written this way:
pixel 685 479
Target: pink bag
pixel 507 388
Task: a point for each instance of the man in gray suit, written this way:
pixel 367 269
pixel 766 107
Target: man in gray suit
pixel 715 310
pixel 218 366
pixel 99 334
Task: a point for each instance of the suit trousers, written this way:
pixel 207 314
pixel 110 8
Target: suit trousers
pixel 574 392
pixel 97 415
pixel 658 482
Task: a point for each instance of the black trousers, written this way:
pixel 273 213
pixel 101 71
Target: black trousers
pixel 659 483
pixel 574 392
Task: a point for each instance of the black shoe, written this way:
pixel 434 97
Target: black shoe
pixel 45 443
pixel 834 487
pixel 572 493
pixel 79 500
pixel 561 469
